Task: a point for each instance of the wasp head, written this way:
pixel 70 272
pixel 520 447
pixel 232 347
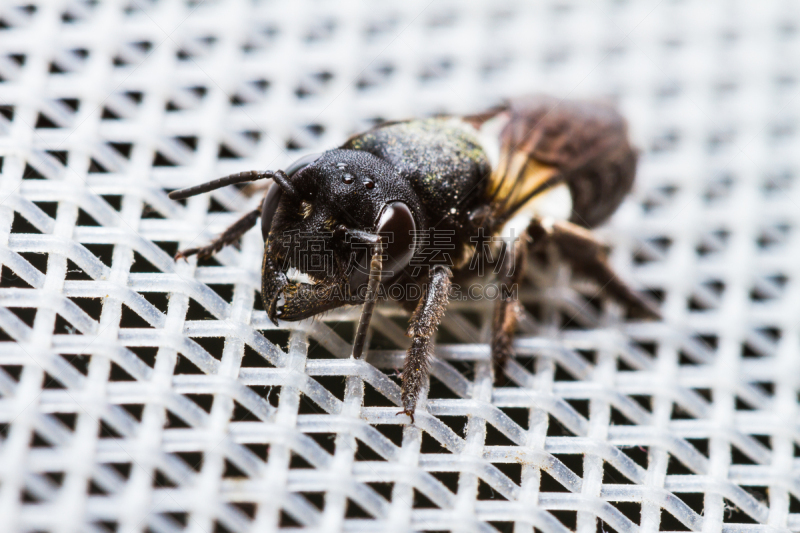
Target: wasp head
pixel 319 221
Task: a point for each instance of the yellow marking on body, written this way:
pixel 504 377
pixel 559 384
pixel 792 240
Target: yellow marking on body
pixel 329 224
pixel 305 209
pixel 513 180
pixel 514 176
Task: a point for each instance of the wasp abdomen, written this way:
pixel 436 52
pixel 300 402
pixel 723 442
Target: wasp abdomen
pixel 586 145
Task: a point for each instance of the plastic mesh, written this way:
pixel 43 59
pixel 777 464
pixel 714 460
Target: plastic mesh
pixel 137 394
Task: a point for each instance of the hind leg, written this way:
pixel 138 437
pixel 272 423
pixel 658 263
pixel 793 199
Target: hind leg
pixel 589 257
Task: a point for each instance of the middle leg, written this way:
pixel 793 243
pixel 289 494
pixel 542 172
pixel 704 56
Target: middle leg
pixel 504 322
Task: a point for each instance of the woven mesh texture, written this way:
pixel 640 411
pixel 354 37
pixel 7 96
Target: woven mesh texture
pixel 139 394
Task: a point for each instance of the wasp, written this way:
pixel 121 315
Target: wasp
pixel 531 173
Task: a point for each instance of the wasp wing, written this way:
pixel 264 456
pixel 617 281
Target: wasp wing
pixel 544 142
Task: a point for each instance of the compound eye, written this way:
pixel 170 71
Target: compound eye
pixel 268 208
pixel 398 224
pixel 300 164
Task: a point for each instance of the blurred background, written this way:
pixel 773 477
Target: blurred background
pixel 137 394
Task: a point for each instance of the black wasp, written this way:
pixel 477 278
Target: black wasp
pixel 531 173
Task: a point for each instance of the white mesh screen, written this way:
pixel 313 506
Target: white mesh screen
pixel 139 394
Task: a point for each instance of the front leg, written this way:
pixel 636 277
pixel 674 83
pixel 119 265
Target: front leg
pixel 229 236
pixel 421 327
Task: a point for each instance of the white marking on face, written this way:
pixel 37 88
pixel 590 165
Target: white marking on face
pixel 296 276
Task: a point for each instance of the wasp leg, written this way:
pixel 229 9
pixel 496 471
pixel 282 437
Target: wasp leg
pixel 504 322
pixel 421 327
pixel 375 269
pixel 589 257
pixel 229 236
